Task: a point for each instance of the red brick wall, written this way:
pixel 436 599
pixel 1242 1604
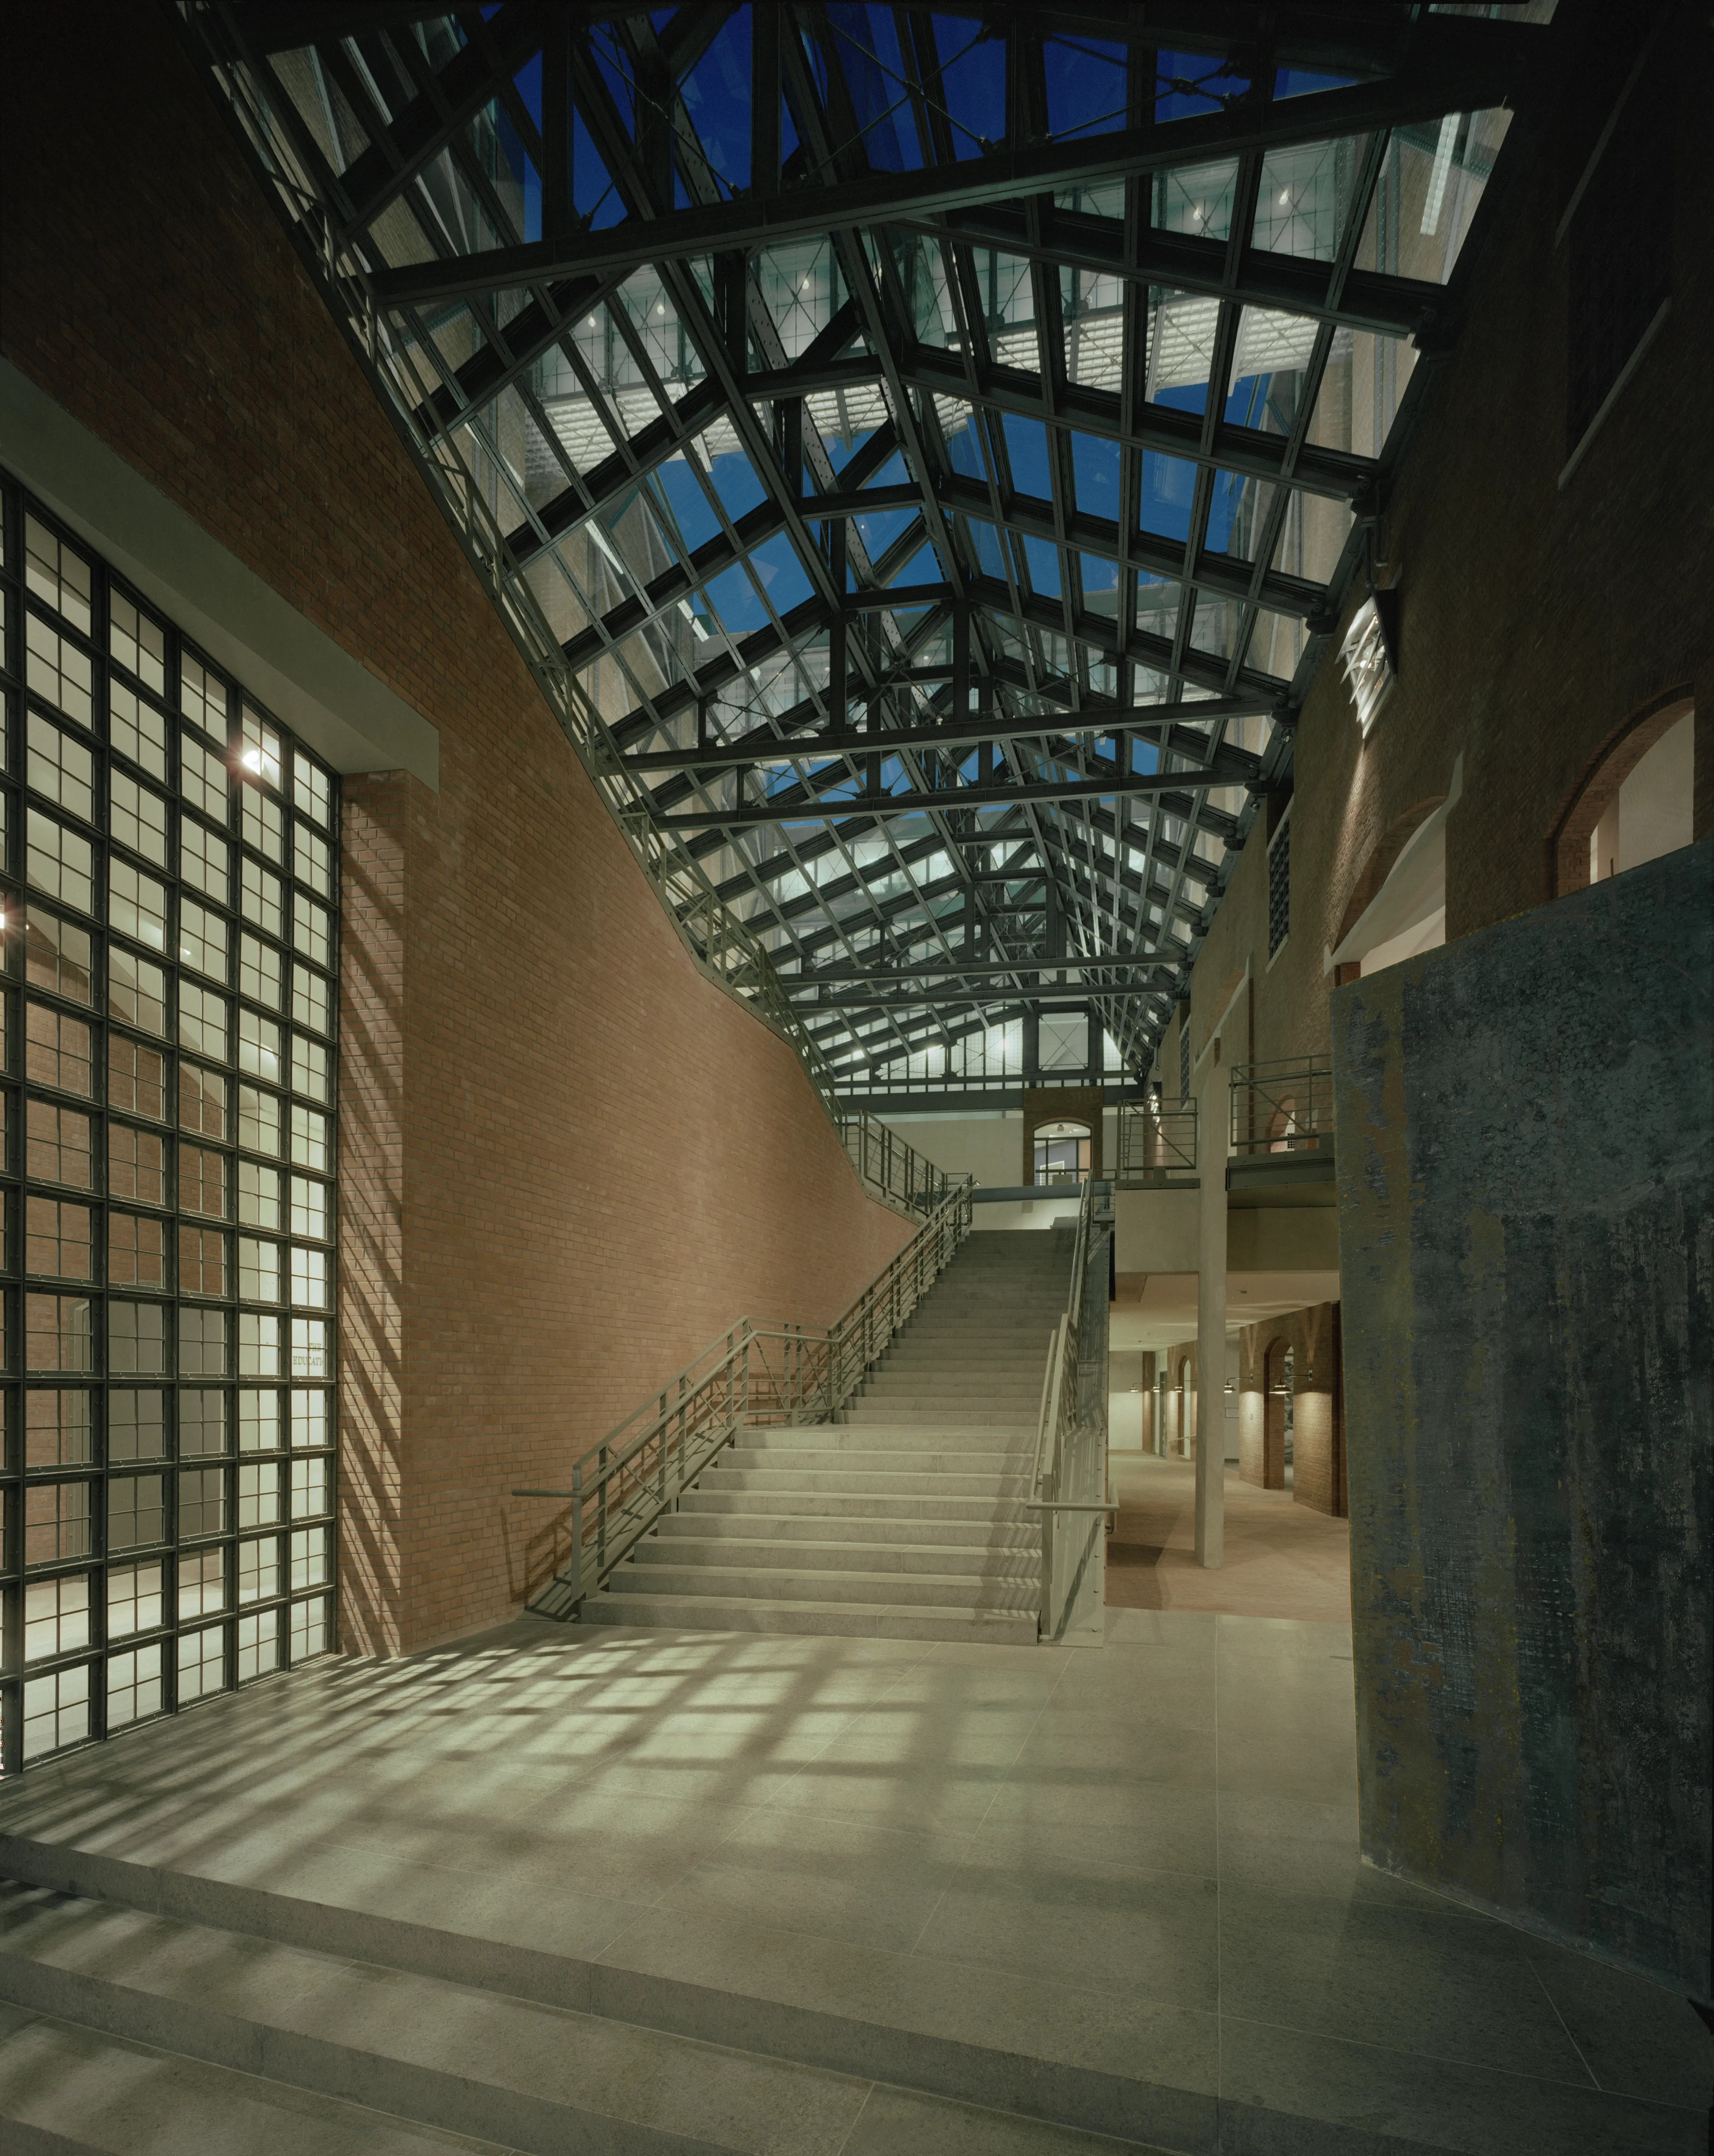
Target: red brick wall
pixel 570 1161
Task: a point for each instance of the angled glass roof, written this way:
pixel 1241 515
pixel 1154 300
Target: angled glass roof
pixel 920 451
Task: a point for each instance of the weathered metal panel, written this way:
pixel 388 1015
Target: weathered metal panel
pixel 1526 1192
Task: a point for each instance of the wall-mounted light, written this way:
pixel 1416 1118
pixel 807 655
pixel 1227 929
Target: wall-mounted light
pixel 1369 655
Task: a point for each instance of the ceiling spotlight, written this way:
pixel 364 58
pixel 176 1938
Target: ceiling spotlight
pixel 1284 195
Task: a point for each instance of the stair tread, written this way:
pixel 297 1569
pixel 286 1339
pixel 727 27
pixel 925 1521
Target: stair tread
pixel 528 2071
pixel 91 2091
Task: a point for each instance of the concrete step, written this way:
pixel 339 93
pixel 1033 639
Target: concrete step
pixel 69 2090
pixel 857 1437
pixel 881 1555
pixel 790 1528
pixel 717 1613
pixel 781 1584
pixel 929 1507
pixel 972 1391
pixel 866 1462
pixel 910 1412
pixel 445 2056
pixel 996 1486
pixel 314 1983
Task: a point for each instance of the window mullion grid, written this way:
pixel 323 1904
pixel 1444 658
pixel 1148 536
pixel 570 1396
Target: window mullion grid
pixel 125 1306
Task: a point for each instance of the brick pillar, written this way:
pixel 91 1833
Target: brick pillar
pixel 371 1214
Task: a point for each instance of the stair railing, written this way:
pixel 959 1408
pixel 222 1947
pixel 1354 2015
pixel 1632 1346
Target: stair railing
pixel 755 1375
pixel 1069 1487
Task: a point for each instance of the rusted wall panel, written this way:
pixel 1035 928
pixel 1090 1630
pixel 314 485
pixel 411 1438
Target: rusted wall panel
pixel 1526 1194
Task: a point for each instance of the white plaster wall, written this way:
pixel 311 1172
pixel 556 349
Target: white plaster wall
pixel 1125 1422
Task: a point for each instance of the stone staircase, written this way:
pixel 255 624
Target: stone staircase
pixel 905 1519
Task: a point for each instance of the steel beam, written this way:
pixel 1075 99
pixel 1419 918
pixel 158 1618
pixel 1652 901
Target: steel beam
pixel 1480 76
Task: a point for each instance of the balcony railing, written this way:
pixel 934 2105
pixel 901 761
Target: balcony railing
pixel 1156 1145
pixel 892 1169
pixel 1282 1107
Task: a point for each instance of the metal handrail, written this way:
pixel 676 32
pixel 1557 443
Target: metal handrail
pixel 756 1374
pixel 1155 1143
pixel 894 1170
pixel 1283 1106
pixel 1064 1462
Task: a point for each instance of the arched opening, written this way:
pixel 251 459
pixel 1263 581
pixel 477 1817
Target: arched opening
pixel 1187 1409
pixel 1276 1416
pixel 1282 1126
pixel 1636 804
pixel 1061 1153
pixel 1398 904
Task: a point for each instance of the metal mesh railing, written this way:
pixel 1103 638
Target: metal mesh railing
pixel 1282 1107
pixel 1070 1486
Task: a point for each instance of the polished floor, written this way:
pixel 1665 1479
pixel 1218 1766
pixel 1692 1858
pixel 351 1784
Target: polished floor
pixel 1118 1887
pixel 1282 1559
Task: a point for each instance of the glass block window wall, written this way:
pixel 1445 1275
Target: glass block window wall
pixel 168 1071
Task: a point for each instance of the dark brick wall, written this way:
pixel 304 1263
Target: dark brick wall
pixel 1535 622
pixel 570 1161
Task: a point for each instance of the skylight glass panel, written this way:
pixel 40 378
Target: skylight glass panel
pixel 1094 472
pixel 869 59
pixel 1307 196
pixel 1191 85
pixel 1215 625
pixel 1100 589
pixel 973 83
pixel 1276 644
pixel 1365 379
pixel 1007 294
pixel 1312 536
pixel 986 542
pixel 1168 487
pixel 716 95
pixel 1156 607
pixel 1043 560
pixel 1238 513
pixel 1181 344
pixel 1430 187
pixel 1085 87
pixel 1197 198
pixel 1027 452
pixel 802 289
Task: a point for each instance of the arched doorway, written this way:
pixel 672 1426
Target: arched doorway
pixel 1061 1153
pixel 1278 1375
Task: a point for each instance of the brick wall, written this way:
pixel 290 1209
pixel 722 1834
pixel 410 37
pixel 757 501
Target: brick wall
pixel 570 1161
pixel 1318 1439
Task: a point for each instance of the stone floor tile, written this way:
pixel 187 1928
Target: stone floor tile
pixel 1405 1977
pixel 898 2122
pixel 1282 2091
pixel 1148 1934
pixel 1637 2038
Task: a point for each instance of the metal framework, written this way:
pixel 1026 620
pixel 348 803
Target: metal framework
pixel 920 452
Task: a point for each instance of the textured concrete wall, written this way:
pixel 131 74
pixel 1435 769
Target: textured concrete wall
pixel 1526 1221
pixel 568 1161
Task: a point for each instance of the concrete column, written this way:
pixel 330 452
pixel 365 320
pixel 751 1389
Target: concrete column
pixel 1212 1140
